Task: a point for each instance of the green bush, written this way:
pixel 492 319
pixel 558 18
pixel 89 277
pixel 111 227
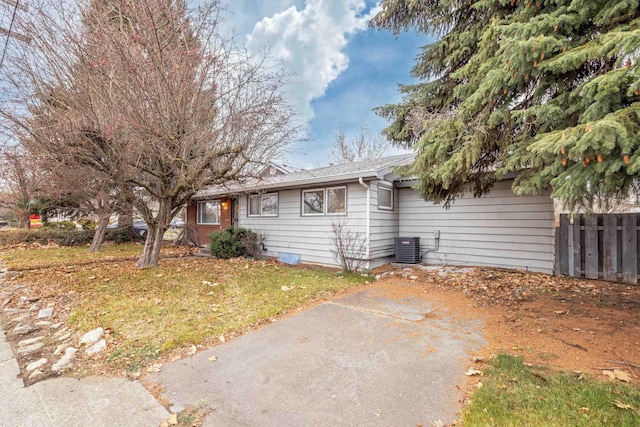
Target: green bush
pixel 66 225
pixel 59 236
pixel 234 242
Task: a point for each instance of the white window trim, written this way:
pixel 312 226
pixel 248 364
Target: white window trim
pixel 249 214
pixel 324 202
pixel 198 213
pixel 278 204
pixel 260 196
pixel 326 194
pixel 382 207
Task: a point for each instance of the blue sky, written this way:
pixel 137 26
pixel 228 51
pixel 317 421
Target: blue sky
pixel 341 68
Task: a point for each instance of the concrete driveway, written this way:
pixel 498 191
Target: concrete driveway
pixel 370 358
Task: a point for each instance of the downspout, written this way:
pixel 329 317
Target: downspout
pixel 367 218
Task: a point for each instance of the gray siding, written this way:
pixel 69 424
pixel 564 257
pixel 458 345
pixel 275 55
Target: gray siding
pixel 501 229
pixel 309 236
pixel 384 227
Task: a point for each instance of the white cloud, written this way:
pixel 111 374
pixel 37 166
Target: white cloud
pixel 311 40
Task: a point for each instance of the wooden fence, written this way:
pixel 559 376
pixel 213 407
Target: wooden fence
pixel 598 246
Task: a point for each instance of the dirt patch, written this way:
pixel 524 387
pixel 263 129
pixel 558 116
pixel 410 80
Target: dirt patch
pixel 563 323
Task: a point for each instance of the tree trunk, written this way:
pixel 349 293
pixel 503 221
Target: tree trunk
pixel 125 222
pixel 153 243
pixel 98 236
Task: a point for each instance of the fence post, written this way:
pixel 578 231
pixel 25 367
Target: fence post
pixel 629 249
pixel 610 247
pixel 591 247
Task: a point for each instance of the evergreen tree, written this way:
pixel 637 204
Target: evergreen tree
pixel 546 88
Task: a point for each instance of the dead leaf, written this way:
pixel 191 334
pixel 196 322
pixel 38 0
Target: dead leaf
pixel 623 405
pixel 559 312
pixel 213 358
pixel 471 372
pixel 622 375
pixel 584 410
pixel 192 350
pixel 173 420
pixel 155 367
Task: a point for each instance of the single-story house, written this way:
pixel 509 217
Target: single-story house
pixel 294 212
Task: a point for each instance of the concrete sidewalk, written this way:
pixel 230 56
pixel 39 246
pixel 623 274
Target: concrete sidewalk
pixel 68 402
pixel 369 358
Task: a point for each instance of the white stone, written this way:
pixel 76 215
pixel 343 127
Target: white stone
pixel 29 341
pixel 37 364
pixel 97 347
pixel 55 325
pixel 23 329
pixel 45 312
pixel 92 337
pixel 60 349
pixel 35 374
pixel 43 323
pixel 65 361
pixel 64 336
pixel 30 348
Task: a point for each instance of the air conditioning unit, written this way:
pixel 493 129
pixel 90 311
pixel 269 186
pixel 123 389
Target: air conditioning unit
pixel 408 250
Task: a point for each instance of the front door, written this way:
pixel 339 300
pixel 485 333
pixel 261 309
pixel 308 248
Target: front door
pixel 235 212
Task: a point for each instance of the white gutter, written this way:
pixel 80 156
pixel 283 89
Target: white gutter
pixel 368 219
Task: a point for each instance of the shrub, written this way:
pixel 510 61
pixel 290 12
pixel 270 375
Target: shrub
pixel 59 236
pixel 66 225
pixel 232 243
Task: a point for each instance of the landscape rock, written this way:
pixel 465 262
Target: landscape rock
pixel 12 310
pixel 65 361
pixel 11 274
pixel 55 325
pixel 24 329
pixel 43 323
pixel 30 348
pixel 92 337
pixel 36 365
pixel 45 312
pixel 97 347
pixel 64 336
pixel 34 307
pixel 20 318
pixel 35 374
pixel 413 277
pixel 60 349
pixel 29 341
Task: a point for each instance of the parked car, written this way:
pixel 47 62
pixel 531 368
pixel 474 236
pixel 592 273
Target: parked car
pixel 177 223
pixel 139 227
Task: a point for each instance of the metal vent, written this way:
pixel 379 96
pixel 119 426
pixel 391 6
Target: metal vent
pixel 408 250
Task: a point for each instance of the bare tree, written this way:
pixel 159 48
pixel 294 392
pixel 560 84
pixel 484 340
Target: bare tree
pixel 361 146
pixel 21 180
pixel 349 246
pixel 148 93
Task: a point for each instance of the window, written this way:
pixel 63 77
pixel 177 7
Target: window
pixel 385 197
pixel 262 204
pixel 313 202
pixel 269 205
pixel 254 205
pixel 209 213
pixel 324 201
pixel 337 201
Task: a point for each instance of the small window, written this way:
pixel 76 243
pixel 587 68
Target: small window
pixel 337 201
pixel 263 204
pixel 269 204
pixel 313 202
pixel 385 197
pixel 254 205
pixel 209 213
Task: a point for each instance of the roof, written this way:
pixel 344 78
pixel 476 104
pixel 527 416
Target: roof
pixel 367 169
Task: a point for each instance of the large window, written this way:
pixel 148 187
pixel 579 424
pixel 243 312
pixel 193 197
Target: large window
pixel 336 200
pixel 324 201
pixel 385 197
pixel 262 204
pixel 209 213
pixel 313 202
